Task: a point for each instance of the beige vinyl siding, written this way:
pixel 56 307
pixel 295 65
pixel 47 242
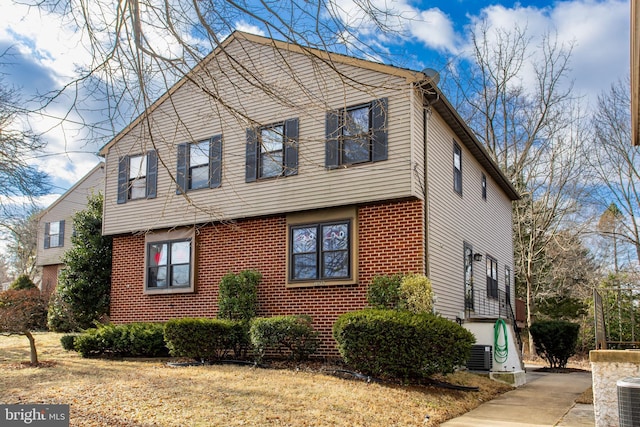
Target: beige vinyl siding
pixel 455 219
pixel 191 115
pixel 74 200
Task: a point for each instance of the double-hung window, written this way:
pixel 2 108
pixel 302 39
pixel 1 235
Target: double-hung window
pixel 170 262
pixel 492 277
pixel 54 234
pixel 457 168
pixel 320 251
pixel 272 141
pixel 357 134
pixel 272 151
pixel 199 164
pixel 137 176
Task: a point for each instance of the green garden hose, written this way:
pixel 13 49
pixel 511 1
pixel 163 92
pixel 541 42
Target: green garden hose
pixel 501 351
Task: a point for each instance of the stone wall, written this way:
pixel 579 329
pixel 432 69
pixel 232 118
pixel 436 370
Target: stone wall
pixel 607 367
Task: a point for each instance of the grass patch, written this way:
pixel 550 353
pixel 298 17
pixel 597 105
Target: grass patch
pixel 150 393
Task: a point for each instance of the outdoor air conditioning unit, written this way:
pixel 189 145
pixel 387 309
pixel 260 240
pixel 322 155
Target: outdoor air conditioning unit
pixel 629 402
pixel 481 358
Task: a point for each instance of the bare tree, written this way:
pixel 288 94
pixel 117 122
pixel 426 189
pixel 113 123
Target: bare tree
pixel 517 99
pixel 616 164
pixel 140 48
pixel 20 182
pixel 21 236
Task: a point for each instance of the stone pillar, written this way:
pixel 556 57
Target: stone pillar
pixel 607 367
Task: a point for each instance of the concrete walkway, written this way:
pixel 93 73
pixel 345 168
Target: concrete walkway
pixel 546 400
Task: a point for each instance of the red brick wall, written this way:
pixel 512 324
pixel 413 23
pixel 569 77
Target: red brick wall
pixel 50 278
pixel 390 241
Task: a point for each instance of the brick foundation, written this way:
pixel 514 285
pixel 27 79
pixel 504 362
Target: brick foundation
pixel 390 241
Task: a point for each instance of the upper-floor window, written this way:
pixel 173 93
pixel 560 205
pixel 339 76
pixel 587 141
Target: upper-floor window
pixel 54 234
pixel 457 168
pixel 492 277
pixel 199 164
pixel 484 187
pixel 320 251
pixel 357 134
pixel 272 151
pixel 137 176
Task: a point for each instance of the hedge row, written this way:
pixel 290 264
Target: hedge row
pixel 382 343
pixel 131 340
pixel 201 339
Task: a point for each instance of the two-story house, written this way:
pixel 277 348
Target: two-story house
pixel 55 225
pixel 318 170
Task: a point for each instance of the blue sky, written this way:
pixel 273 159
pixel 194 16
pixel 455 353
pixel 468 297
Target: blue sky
pixel 45 53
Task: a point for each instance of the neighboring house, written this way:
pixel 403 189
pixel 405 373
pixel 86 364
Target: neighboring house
pixel 55 225
pixel 319 186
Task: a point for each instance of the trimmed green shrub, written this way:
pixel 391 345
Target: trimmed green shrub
pixel 401 344
pixel 23 282
pixel 555 340
pixel 68 341
pixel 130 340
pixel 201 339
pixel 238 295
pixel 384 291
pixel 415 293
pixel 291 336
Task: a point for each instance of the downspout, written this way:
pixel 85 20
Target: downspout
pixel 426 115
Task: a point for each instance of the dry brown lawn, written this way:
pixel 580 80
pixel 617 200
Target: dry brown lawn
pixel 104 392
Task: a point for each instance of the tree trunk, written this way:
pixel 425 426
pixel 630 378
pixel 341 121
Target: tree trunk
pixel 532 347
pixel 32 345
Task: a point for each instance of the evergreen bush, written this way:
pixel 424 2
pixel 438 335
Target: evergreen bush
pixel 82 295
pixel 202 339
pixel 238 295
pixel 68 341
pixel 384 291
pixel 401 344
pixel 555 340
pixel 130 340
pixel 291 336
pixel 23 282
pixel 415 293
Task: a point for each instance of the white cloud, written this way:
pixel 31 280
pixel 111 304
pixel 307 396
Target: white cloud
pixel 435 30
pixel 249 28
pixel 599 54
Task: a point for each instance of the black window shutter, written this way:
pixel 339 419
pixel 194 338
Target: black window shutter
pixel 152 173
pixel 47 238
pixel 379 122
pixel 123 179
pixel 61 238
pixel 332 147
pixel 291 147
pixel 181 172
pixel 215 162
pixel 252 156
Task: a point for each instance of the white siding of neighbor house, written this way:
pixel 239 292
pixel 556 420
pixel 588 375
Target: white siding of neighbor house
pixel 74 200
pixel 191 115
pixel 455 219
